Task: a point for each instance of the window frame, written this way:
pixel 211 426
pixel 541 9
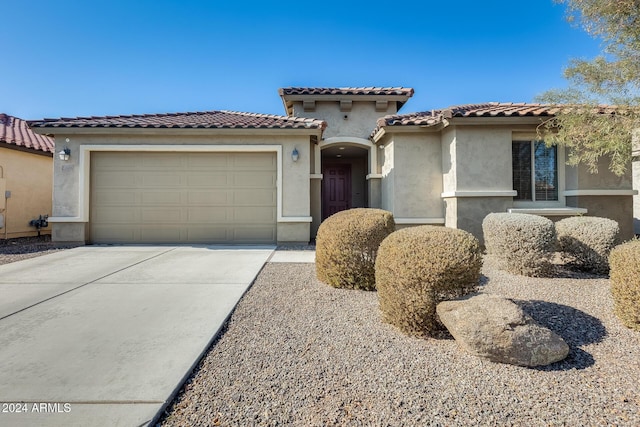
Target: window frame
pixel 560 161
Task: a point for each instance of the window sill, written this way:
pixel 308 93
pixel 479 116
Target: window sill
pixel 549 211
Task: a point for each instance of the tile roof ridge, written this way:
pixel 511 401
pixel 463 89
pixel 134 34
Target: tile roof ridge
pixel 329 90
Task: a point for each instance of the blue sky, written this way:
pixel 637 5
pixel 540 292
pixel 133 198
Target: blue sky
pixel 83 58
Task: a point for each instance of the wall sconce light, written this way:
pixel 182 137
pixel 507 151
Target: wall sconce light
pixel 295 155
pixel 64 154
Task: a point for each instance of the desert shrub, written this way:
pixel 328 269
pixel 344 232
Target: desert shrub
pixel 347 244
pixel 521 243
pixel 625 283
pixel 587 241
pixel 419 267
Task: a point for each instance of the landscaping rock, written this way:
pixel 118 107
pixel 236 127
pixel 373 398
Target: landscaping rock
pixel 497 329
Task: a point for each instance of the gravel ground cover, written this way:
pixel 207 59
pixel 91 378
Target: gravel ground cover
pixel 298 352
pixel 17 249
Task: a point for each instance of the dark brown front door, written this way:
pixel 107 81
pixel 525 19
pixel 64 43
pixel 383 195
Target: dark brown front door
pixel 336 189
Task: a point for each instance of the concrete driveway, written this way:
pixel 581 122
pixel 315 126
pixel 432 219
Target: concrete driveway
pixel 104 335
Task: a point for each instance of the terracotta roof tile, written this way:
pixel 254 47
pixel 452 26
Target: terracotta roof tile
pixel 491 109
pixel 15 131
pixel 385 91
pixel 194 120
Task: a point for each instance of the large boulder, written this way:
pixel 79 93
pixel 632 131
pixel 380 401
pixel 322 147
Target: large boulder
pixel 497 329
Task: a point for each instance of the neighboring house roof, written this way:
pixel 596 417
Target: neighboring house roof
pixel 15 132
pixel 194 120
pixel 399 95
pixel 491 109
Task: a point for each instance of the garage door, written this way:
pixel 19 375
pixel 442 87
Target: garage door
pixel 151 197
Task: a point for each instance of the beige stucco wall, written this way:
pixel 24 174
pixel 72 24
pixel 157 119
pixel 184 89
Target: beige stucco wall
pixel 448 149
pixel 476 176
pixel 475 159
pixel 418 176
pixel 603 179
pixel 374 187
pixel 28 176
pixel 359 122
pixel 618 208
pixel 316 205
pixel 295 175
pixel 411 184
pixel 387 170
pixel 483 158
pixel 467 213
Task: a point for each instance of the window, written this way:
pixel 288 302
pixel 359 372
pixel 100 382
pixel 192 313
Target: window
pixel 535 171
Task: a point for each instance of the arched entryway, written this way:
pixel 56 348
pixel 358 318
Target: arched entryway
pixel 344 178
pixel 347 175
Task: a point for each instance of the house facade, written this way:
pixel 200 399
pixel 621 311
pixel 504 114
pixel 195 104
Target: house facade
pixel 26 175
pixel 228 177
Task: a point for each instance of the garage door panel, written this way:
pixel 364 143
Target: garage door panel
pixel 116 197
pixel 115 215
pixel 254 180
pixel 208 179
pixel 212 197
pixel 160 216
pixel 121 161
pixel 183 197
pixel 160 234
pixel 160 180
pixel 155 161
pixel 254 161
pixel 110 234
pixel 252 214
pixel 208 215
pixel 208 234
pixel 218 161
pixel 161 198
pixel 247 197
pixel 113 179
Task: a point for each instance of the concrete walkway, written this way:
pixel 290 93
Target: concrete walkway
pixel 104 335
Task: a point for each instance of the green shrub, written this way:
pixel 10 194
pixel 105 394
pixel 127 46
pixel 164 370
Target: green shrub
pixel 625 283
pixel 419 267
pixel 588 240
pixel 521 243
pixel 347 244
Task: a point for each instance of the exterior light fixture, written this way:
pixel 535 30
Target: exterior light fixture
pixel 295 155
pixel 64 154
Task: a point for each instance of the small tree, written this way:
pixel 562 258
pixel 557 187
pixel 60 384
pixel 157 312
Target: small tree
pixel 589 130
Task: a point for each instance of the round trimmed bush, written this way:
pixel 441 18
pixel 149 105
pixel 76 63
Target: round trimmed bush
pixel 347 244
pixel 522 243
pixel 625 283
pixel 417 268
pixel 588 240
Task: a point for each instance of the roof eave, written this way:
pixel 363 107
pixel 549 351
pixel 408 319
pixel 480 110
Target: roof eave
pixel 30 150
pixel 90 130
pixel 498 120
